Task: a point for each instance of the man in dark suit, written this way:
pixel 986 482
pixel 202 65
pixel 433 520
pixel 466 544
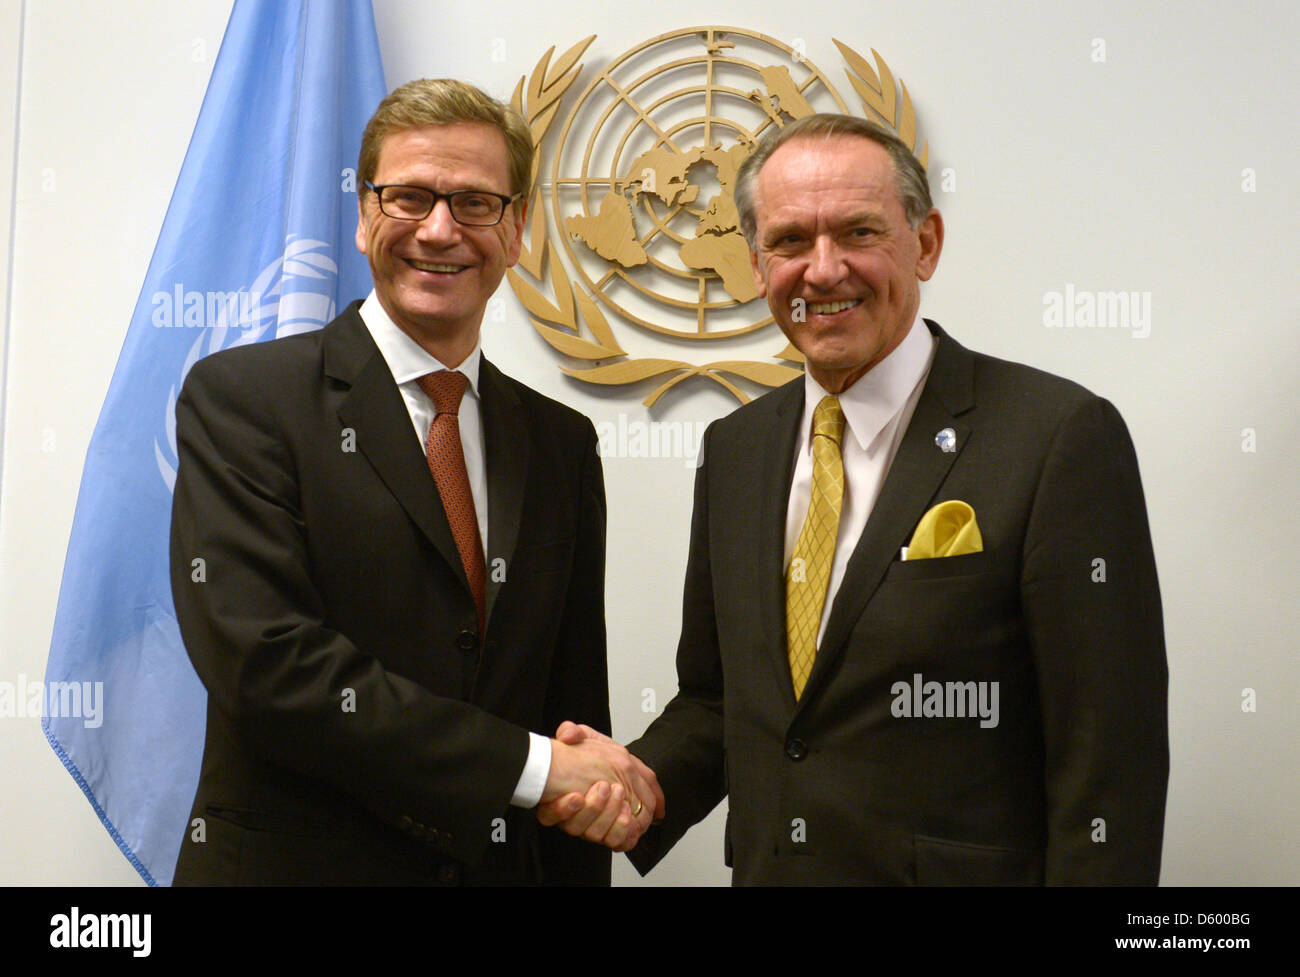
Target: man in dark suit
pixel 986 706
pixel 388 557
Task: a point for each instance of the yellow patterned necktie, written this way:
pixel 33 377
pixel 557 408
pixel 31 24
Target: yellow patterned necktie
pixel 810 567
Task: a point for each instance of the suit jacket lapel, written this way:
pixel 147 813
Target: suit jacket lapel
pixel 774 441
pixel 917 472
pixel 507 448
pixel 374 409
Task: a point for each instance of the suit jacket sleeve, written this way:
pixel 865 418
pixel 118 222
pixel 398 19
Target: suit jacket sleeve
pixel 1092 611
pixel 579 683
pixel 300 694
pixel 684 746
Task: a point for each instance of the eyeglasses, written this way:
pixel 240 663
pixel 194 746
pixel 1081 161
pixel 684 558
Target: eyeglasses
pixel 474 208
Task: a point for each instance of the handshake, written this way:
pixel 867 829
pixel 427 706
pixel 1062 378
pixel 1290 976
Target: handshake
pixel 597 790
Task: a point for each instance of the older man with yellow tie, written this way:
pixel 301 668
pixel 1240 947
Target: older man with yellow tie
pixel 899 659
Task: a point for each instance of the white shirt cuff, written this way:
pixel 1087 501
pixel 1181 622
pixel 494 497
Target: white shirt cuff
pixel 532 782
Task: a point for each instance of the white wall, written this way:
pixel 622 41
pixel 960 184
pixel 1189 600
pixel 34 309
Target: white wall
pixel 11 36
pixel 1122 175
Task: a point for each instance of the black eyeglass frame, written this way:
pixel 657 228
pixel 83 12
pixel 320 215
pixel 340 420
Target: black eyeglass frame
pixel 506 201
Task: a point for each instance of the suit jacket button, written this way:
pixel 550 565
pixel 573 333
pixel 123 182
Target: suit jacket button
pixel 796 749
pixel 467 641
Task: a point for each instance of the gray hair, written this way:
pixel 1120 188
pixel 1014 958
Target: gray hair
pixel 909 175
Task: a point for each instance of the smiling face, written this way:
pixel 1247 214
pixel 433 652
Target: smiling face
pixel 434 277
pixel 836 259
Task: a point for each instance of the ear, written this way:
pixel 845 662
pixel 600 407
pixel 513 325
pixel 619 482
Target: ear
pixel 515 245
pixel 930 234
pixel 361 221
pixel 754 266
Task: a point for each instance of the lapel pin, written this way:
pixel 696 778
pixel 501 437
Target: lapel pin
pixel 946 440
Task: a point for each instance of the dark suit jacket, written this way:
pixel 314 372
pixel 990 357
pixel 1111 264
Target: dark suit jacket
pixel 358 728
pixel 836 787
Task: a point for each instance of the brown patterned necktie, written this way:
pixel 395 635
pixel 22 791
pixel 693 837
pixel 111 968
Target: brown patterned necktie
pixel 447 463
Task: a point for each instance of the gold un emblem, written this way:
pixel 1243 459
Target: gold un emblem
pixel 639 201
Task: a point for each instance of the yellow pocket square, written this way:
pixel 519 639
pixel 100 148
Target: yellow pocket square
pixel 949 529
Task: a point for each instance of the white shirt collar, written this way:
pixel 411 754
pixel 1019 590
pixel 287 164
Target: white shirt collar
pixel 876 397
pixel 407 359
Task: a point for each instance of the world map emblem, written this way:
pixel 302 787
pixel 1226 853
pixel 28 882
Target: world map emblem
pixel 633 258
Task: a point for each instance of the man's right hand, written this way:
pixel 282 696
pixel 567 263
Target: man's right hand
pixel 597 790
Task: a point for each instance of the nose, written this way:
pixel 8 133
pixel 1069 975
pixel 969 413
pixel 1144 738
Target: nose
pixel 826 266
pixel 439 226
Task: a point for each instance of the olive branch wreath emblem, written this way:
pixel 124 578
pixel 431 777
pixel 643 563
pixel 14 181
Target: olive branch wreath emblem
pixel 559 319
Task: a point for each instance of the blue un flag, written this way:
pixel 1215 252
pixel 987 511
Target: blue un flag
pixel 257 244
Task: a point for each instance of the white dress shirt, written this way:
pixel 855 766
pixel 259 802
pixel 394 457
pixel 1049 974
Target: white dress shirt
pixel 877 409
pixel 408 361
